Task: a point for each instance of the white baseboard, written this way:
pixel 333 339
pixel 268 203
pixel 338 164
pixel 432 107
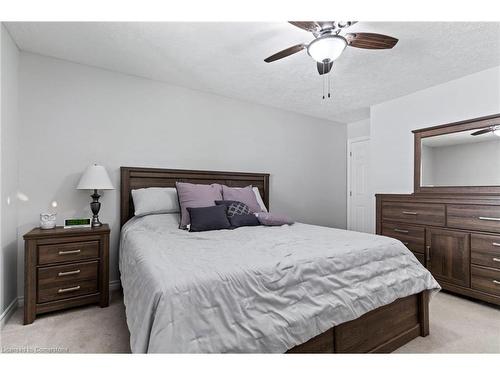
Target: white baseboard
pixel 4 317
pixel 114 285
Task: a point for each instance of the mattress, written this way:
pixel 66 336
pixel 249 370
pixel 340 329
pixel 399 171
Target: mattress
pixel 254 289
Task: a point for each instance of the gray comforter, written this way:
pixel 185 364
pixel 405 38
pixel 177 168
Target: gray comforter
pixel 254 289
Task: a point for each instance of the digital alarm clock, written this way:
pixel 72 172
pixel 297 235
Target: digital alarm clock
pixel 76 223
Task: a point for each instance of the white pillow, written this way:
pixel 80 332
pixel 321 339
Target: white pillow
pixel 155 201
pixel 259 198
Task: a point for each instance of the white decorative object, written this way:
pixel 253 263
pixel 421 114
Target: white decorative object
pixel 48 221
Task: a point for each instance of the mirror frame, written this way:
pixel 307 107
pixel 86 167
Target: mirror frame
pixel 454 127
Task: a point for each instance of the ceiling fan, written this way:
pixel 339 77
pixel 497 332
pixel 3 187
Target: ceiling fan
pixel 495 129
pixel 328 43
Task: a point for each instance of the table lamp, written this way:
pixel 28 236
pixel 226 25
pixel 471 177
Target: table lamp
pixel 95 178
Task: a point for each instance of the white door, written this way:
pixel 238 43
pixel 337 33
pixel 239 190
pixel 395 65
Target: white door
pixel 358 192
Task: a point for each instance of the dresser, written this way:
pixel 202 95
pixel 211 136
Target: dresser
pixel 451 222
pixel 456 238
pixel 65 268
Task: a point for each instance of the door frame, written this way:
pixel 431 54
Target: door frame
pixel 350 141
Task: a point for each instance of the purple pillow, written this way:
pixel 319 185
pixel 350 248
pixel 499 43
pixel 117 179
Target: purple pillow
pixel 267 218
pixel 196 195
pixel 244 195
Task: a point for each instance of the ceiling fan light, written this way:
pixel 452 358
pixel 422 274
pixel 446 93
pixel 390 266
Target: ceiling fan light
pixel 327 48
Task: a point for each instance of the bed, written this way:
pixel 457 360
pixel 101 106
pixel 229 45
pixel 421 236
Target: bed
pixel 296 289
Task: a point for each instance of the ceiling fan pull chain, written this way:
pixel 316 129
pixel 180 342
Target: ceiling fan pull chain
pixel 323 83
pixel 328 85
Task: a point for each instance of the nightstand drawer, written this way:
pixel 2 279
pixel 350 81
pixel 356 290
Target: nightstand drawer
pixel 68 252
pixel 66 289
pixel 62 275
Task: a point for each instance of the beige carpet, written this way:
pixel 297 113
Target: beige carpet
pixel 458 325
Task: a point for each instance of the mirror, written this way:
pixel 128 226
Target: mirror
pixel 461 159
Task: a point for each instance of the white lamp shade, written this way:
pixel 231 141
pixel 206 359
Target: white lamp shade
pixel 95 177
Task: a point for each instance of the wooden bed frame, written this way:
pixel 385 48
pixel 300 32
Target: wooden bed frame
pixel 379 331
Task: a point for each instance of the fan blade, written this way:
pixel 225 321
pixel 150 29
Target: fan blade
pixel 324 68
pixel 370 40
pixel 482 131
pixel 311 26
pixel 286 52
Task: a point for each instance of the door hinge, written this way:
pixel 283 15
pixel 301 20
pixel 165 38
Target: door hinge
pixel 350 193
pixel 350 153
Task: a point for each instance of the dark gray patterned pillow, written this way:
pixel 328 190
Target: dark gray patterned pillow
pixel 239 214
pixel 237 208
pixel 234 208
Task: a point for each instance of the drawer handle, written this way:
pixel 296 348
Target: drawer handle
pixel 400 230
pixel 428 253
pixel 496 244
pixel 66 290
pixel 489 218
pixel 409 213
pixel 496 259
pixel 406 243
pixel 76 272
pixel 496 282
pixel 66 252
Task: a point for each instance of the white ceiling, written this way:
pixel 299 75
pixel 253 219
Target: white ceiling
pixel 227 59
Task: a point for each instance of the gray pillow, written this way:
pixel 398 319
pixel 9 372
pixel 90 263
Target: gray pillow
pixel 155 201
pixel 267 218
pixel 196 195
pixel 208 218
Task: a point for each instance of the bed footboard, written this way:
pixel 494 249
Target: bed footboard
pixel 379 331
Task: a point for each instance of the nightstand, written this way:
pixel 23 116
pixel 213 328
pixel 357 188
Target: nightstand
pixel 65 268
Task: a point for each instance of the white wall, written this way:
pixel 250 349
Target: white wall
pixel 72 115
pixel 358 129
pixel 469 97
pixel 9 169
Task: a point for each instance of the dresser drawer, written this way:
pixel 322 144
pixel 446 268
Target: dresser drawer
pixel 485 250
pixel 62 276
pixel 474 217
pixel 485 280
pixel 412 236
pixel 416 213
pixel 68 252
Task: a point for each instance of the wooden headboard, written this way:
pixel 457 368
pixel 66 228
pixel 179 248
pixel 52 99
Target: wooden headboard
pixel 136 178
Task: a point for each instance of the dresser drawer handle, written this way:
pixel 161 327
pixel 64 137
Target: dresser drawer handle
pixel 496 282
pixel 406 243
pixel 496 244
pixel 409 213
pixel 66 252
pixel 76 272
pixel 496 259
pixel 400 230
pixel 489 218
pixel 66 290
